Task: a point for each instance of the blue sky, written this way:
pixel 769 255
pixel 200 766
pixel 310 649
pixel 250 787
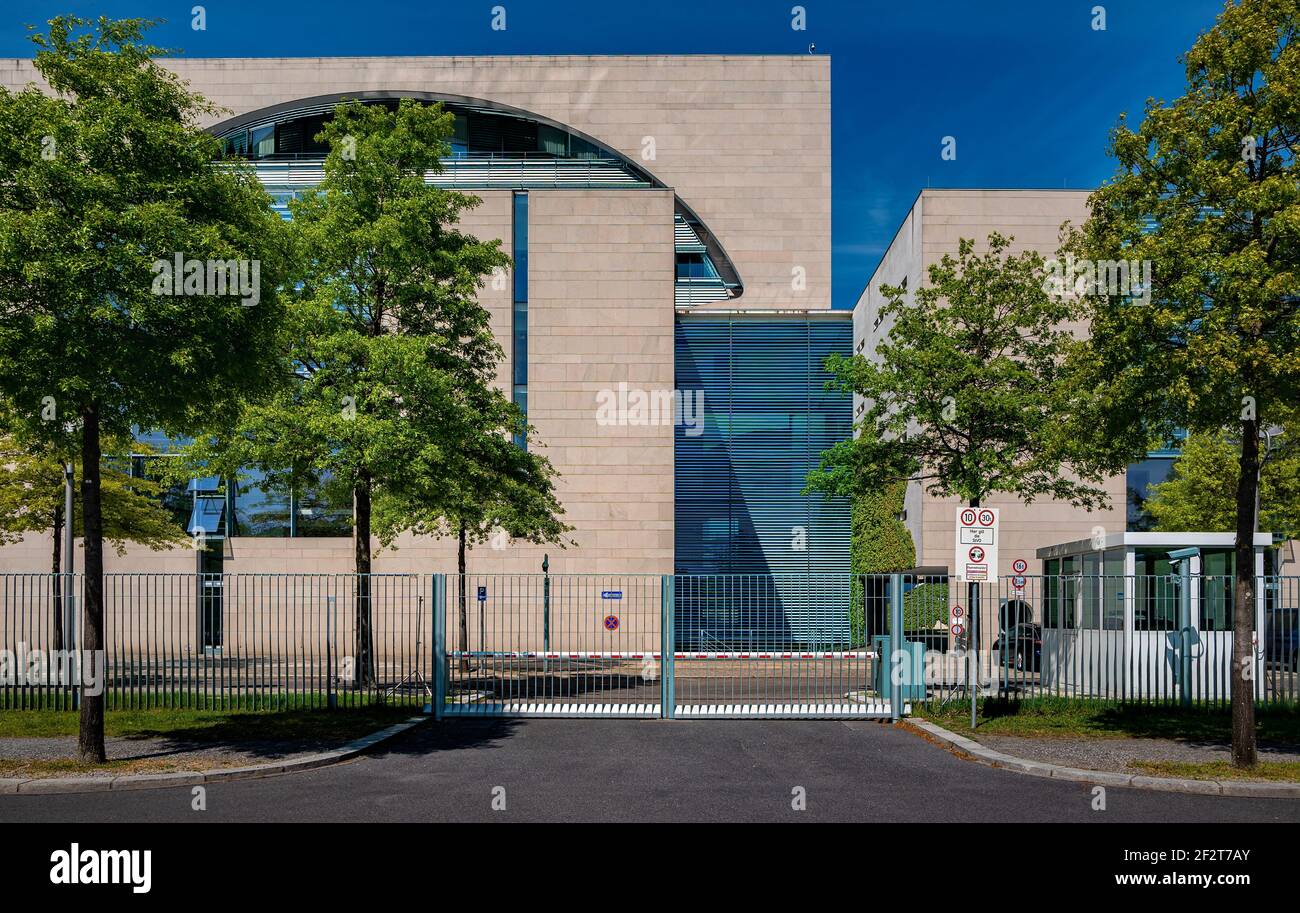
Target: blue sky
pixel 1027 87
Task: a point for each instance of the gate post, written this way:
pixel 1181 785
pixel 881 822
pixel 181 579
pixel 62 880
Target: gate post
pixel 667 691
pixel 439 603
pixel 895 645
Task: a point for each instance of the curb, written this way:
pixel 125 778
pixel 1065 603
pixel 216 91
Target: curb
pixel 56 785
pixel 970 750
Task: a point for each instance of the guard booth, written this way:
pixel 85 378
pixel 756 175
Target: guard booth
pixel 1138 614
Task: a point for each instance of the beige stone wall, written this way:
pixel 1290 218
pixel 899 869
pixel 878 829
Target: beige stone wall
pixel 600 312
pixel 937 222
pixel 744 140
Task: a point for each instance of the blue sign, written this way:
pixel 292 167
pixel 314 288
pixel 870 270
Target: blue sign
pixel 611 594
pixel 482 594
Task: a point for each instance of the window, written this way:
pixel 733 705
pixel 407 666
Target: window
pixel 519 313
pixel 262 140
pixel 1218 570
pixel 1060 592
pixel 1155 592
pixel 1140 478
pixel 695 266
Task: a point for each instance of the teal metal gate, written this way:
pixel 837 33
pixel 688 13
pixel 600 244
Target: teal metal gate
pixel 684 646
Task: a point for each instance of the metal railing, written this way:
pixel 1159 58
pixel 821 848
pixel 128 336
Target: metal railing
pixel 471 171
pixel 640 645
pixel 219 640
pixel 1117 638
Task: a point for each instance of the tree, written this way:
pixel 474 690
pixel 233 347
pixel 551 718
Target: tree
pixel 32 496
pixel 483 488
pixel 1200 493
pixel 880 544
pixel 386 346
pixel 107 183
pixel 967 393
pixel 1206 197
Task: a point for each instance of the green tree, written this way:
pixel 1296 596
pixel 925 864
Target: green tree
pixel 105 178
pixel 1208 194
pixel 1201 491
pixel 881 542
pixel 32 501
pixel 386 346
pixel 484 488
pixel 967 393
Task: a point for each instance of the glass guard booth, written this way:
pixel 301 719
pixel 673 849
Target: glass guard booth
pixel 1116 621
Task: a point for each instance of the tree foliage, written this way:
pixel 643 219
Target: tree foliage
pixel 1207 193
pixel 1201 491
pixel 104 176
pixel 881 541
pixel 966 393
pixel 31 498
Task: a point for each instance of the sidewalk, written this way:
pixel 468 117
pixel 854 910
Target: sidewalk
pixel 1105 752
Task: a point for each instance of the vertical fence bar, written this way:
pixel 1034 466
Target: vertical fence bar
pixel 438 604
pixel 895 646
pixel 667 664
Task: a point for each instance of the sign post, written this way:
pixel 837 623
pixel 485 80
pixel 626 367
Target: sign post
pixel 976 561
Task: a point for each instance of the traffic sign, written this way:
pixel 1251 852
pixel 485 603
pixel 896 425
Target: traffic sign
pixel 611 622
pixel 976 543
pixel 1018 582
pixel 1020 565
pixel 611 594
pixel 958 630
pixel 958 611
pixel 482 594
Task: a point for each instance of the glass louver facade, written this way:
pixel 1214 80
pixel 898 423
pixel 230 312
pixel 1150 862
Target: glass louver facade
pixel 740 507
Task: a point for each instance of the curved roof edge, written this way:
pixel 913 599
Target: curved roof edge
pixel 283 110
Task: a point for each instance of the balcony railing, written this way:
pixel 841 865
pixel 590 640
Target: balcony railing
pixel 287 173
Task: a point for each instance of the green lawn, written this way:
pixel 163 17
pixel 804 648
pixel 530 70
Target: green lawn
pixel 1064 718
pixel 215 726
pixel 1283 771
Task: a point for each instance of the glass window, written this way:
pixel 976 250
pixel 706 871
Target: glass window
pixel 263 140
pixel 323 510
pixel 1112 607
pixel 1155 592
pixel 1218 569
pixel 520 247
pixel 1140 477
pixel 695 266
pixel 460 136
pixel 261 507
pixel 207 518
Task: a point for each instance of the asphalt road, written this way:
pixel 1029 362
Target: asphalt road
pixel 650 770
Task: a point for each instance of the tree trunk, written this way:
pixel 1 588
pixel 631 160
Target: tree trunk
pixel 365 668
pixel 90 741
pixel 464 614
pixel 56 568
pixel 1243 603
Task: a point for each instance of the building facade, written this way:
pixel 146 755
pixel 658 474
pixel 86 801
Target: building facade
pixel 636 196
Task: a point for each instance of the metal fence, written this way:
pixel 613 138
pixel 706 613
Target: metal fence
pixel 1135 638
pixel 688 646
pixel 219 640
